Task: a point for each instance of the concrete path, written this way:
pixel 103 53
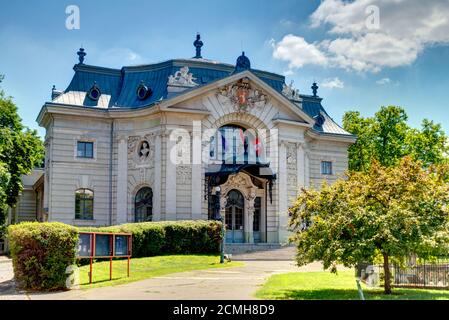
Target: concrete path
pixel 215 284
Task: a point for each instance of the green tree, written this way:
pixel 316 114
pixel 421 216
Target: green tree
pixel 361 152
pixel 21 150
pixel 388 212
pixel 387 138
pixel 429 144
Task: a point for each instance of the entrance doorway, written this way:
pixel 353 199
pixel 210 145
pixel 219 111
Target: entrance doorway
pixel 234 217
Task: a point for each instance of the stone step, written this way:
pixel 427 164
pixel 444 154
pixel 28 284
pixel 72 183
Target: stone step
pixel 261 252
pixel 238 248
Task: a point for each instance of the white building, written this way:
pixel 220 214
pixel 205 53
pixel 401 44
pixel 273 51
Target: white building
pixel 152 142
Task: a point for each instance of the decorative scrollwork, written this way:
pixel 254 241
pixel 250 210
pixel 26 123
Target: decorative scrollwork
pixel 243 96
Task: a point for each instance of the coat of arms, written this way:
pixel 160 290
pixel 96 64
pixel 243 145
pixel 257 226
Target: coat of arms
pixel 242 96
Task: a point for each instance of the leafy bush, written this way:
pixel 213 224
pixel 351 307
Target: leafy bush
pixel 41 252
pixel 170 237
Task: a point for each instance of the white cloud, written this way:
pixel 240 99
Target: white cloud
pixel 334 83
pixel 118 57
pixel 297 52
pixel 406 28
pixel 383 81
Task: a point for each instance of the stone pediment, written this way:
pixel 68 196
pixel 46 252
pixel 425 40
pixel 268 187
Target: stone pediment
pixel 240 93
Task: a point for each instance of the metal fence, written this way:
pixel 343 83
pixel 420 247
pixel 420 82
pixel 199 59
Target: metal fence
pixel 423 274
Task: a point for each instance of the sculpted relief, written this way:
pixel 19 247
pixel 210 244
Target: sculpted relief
pixel 141 151
pixel 242 96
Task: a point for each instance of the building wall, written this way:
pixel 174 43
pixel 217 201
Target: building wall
pixel 69 173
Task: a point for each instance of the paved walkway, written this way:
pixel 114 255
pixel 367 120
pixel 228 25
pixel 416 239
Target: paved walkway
pixel 215 284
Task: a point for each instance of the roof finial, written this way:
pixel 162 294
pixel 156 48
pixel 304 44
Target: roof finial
pixel 242 63
pixel 315 89
pixel 81 54
pixel 198 44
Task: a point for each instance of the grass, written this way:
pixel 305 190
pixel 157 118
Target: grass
pixel 327 286
pixel 144 268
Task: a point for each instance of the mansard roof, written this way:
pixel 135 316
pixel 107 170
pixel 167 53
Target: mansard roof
pixel 118 87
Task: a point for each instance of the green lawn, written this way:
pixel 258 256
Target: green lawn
pixel 144 268
pixel 327 286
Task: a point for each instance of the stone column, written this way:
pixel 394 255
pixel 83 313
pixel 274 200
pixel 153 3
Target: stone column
pixel 121 197
pixel 249 232
pixel 170 180
pixel 282 192
pixel 157 179
pixel 196 171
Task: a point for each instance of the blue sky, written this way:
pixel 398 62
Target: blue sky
pixel 403 61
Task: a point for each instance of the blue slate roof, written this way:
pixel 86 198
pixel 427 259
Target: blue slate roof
pixel 121 85
pixel 118 86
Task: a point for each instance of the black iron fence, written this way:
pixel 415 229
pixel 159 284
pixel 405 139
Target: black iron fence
pixel 433 274
pixel 415 274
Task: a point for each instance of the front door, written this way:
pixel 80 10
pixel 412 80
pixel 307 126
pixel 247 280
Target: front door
pixel 234 217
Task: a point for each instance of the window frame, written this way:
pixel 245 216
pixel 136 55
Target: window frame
pixel 330 166
pixel 149 205
pixel 80 195
pixel 84 156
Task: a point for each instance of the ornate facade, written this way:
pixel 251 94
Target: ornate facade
pixel 153 142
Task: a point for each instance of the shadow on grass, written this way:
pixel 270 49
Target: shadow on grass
pixel 343 294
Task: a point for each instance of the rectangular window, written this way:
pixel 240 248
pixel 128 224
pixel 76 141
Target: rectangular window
pixel 85 149
pixel 326 167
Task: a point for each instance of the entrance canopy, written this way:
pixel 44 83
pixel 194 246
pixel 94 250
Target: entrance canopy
pixel 218 174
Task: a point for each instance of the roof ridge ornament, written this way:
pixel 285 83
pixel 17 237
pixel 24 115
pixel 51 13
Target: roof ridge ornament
pixel 315 89
pixel 81 54
pixel 198 44
pixel 242 64
pixel 55 93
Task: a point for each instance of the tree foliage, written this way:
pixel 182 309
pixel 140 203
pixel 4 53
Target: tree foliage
pixel 391 212
pixel 20 151
pixel 387 138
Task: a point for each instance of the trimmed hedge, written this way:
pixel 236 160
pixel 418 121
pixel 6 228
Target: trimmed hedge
pixel 170 237
pixel 41 252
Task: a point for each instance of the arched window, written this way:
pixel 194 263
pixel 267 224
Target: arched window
pixel 235 144
pixel 84 204
pixel 144 205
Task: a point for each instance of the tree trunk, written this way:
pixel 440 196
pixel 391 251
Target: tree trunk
pixel 387 280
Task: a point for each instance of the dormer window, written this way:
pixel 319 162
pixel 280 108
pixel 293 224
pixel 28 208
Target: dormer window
pixel 94 93
pixel 319 120
pixel 143 92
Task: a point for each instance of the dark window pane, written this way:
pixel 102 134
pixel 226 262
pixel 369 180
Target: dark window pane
pixel 80 149
pixel 257 213
pixel 85 149
pixel 143 205
pixel 84 204
pixel 326 167
pixel 89 150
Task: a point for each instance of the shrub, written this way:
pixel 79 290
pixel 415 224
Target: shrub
pixel 41 252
